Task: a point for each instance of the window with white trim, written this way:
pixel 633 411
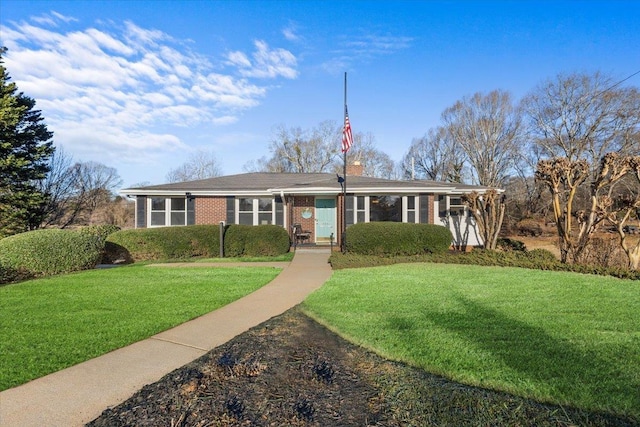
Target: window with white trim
pixel 361 211
pixel 450 206
pixel 158 211
pixel 178 211
pixel 250 211
pixel 265 211
pixel 245 211
pixel 411 209
pixel 165 211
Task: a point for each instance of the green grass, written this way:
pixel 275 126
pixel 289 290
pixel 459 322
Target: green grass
pixel 557 337
pixel 50 324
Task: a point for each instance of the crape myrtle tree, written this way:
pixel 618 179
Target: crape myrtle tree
pixel 25 148
pixel 625 207
pixel 575 122
pixel 563 178
pixel 487 129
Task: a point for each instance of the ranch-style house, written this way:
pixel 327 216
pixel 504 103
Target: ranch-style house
pixel 311 201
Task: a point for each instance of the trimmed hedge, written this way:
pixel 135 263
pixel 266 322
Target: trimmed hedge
pixel 397 238
pixel 163 243
pixel 195 241
pixel 48 252
pixel 537 259
pixel 103 231
pixel 8 275
pixel 260 240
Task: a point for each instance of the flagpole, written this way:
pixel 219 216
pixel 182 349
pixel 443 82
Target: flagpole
pixel 343 243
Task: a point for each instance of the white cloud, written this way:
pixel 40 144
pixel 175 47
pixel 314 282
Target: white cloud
pixel 122 91
pixel 52 19
pixel 267 62
pixel 291 33
pixel 365 48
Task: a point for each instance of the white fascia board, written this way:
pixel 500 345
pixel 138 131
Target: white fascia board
pixel 358 190
pixel 142 192
pixel 305 191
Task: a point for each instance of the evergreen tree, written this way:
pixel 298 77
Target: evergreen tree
pixel 25 149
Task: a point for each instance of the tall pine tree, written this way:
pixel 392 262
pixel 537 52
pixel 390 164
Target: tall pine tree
pixel 25 149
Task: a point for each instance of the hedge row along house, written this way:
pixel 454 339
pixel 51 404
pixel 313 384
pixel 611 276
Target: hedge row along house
pixel 313 200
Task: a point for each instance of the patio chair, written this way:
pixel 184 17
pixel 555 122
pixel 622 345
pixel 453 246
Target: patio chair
pixel 299 235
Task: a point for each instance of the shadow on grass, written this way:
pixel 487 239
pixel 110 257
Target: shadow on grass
pixel 572 375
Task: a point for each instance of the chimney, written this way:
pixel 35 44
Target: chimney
pixel 355 169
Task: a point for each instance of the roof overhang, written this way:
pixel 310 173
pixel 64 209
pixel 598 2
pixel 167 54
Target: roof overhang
pixel 304 191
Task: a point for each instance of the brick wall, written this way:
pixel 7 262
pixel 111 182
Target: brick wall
pixel 211 210
pixel 432 218
pixel 300 203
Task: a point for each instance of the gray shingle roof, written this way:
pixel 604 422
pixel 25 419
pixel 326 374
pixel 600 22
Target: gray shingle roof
pixel 296 183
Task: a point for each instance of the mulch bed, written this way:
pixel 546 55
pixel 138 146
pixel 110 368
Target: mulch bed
pixel 291 371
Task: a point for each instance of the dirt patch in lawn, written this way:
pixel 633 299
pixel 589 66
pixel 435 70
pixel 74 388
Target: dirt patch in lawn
pixel 291 371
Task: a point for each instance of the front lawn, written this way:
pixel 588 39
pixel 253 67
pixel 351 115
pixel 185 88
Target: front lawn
pixel 557 337
pixel 52 323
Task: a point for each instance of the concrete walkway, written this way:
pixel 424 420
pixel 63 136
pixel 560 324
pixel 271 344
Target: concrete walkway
pixel 77 395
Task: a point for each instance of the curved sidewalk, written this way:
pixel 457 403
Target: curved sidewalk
pixel 77 395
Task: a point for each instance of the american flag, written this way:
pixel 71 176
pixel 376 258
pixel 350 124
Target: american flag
pixel 347 137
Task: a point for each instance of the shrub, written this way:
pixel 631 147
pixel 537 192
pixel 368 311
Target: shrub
pixel 261 240
pixel 102 231
pixel 235 238
pixel 47 252
pixel 397 238
pixel 8 275
pixel 528 227
pixel 507 244
pixel 163 243
pixel 267 240
pixel 540 259
pixel 542 256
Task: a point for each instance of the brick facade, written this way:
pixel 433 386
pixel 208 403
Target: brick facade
pixel 432 218
pixel 211 210
pixel 300 204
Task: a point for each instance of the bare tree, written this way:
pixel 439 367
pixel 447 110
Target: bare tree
pixel 200 165
pixel 95 184
pixel 487 128
pixel 488 210
pixel 375 162
pixel 298 150
pixel 435 157
pixel 625 207
pixel 563 178
pixel 582 116
pixel 59 186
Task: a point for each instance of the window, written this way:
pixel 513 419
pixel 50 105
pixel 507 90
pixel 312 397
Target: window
pixel 410 203
pixel 158 211
pixel 385 208
pixel 450 205
pixel 361 209
pixel 255 211
pixel 456 206
pixel 245 211
pixel 178 211
pixel 265 211
pixel 167 211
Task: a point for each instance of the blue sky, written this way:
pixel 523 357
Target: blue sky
pixel 139 85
